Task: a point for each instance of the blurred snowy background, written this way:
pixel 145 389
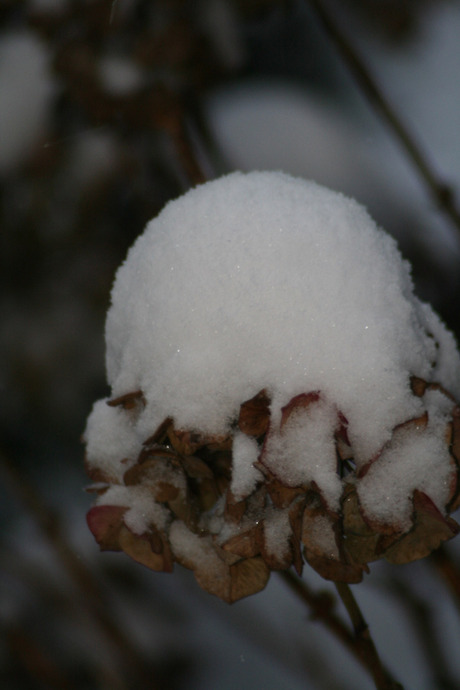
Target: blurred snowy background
pixel 109 108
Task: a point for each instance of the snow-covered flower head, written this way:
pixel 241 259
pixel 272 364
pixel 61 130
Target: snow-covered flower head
pixel 278 392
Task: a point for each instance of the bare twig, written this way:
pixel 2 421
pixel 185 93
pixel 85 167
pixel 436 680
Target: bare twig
pixel 359 643
pixel 449 570
pixel 169 115
pixel 421 613
pixel 365 644
pixel 442 193
pixel 39 665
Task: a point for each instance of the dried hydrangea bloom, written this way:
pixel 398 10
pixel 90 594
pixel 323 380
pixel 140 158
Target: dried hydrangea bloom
pixel 278 393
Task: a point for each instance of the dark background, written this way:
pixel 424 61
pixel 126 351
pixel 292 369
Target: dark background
pixel 107 111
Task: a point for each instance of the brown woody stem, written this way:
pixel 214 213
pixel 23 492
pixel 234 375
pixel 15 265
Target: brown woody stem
pixel 359 643
pixel 441 192
pixel 365 644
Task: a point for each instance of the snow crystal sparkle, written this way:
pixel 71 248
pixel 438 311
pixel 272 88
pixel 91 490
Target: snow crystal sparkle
pixel 275 382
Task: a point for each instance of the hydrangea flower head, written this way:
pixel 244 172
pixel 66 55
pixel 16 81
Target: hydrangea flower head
pixel 279 394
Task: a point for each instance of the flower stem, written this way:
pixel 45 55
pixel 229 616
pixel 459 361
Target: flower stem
pixel 364 641
pixel 359 642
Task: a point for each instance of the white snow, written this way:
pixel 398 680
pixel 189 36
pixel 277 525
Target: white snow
pixel 245 453
pixel 277 530
pixel 416 458
pixel 304 451
pixel 264 281
pixel 110 439
pixel 142 512
pixel 192 549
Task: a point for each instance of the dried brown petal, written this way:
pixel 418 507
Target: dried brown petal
pixel 418 386
pixel 430 529
pixel 360 540
pixel 186 509
pixel 129 401
pixel 105 523
pixel 303 400
pixel 281 495
pixel 321 548
pixel 254 415
pixel 296 521
pixel 196 468
pixel 139 548
pixel 245 544
pixel 234 508
pixel 153 450
pixel 188 442
pixel 247 577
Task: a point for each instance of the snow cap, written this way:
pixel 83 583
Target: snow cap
pixel 262 280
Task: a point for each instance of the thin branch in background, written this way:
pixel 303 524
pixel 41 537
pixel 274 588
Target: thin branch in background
pixel 169 115
pixel 91 594
pixel 359 643
pixel 38 664
pixel 442 193
pixel 421 614
pixel 449 571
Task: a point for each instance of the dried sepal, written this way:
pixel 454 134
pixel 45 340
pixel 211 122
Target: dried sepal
pixel 188 442
pixel 234 508
pixel 418 386
pixel 274 525
pixel 361 542
pixel 301 401
pixel 247 577
pixel 150 549
pixel 321 548
pixel 254 415
pixel 128 401
pixel 105 523
pixel 247 543
pixel 430 529
pixel 196 468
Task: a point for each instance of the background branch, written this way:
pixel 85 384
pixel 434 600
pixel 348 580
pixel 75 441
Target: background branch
pixel 442 193
pixel 360 642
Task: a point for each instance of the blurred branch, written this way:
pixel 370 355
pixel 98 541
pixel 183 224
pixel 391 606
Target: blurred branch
pixel 424 627
pixel 442 193
pixel 169 114
pixel 38 664
pixel 359 643
pixel 90 592
pixel 449 570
